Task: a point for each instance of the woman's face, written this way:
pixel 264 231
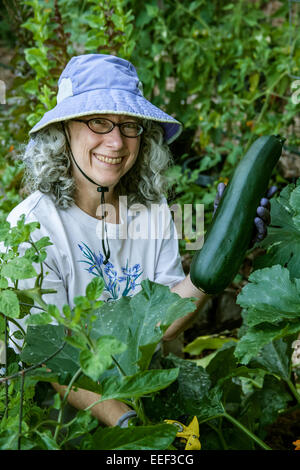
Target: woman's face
pixel 105 158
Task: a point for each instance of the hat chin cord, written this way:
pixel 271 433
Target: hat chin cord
pixel 100 189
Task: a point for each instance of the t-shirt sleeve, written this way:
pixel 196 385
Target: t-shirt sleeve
pixel 168 270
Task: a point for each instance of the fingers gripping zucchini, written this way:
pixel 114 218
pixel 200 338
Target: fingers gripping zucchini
pixel 229 235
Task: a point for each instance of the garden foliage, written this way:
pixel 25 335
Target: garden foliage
pixel 222 68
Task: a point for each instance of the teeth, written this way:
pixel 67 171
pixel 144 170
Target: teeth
pixel 114 161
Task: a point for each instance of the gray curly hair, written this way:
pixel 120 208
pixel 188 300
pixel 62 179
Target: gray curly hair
pixel 48 167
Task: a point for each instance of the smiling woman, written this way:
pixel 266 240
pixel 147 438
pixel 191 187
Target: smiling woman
pixel 49 167
pixel 102 140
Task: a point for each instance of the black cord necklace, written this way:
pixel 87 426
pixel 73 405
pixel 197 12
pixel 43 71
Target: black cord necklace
pixel 100 189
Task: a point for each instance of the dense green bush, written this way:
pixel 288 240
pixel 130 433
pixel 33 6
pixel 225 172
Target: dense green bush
pixel 221 68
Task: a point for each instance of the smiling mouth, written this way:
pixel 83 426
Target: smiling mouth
pixel 113 161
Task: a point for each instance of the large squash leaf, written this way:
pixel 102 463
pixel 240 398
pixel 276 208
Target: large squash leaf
pixel 271 303
pixel 283 239
pixel 140 322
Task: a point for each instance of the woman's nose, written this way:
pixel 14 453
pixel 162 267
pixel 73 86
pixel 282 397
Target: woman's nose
pixel 114 138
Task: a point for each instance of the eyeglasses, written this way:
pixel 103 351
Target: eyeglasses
pixel 104 126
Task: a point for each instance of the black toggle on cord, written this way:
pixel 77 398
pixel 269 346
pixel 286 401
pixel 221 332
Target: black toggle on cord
pixel 100 189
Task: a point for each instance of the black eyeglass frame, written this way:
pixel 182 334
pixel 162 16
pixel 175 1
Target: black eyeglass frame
pixel 114 124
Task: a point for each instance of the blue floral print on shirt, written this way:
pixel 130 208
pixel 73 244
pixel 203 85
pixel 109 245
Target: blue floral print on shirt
pixel 114 284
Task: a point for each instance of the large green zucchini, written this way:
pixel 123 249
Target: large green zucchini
pixel 229 235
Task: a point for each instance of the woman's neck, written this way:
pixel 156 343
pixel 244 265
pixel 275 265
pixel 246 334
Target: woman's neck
pixel 89 200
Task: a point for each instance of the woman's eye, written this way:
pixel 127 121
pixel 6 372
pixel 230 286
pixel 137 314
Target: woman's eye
pixel 130 125
pixel 99 121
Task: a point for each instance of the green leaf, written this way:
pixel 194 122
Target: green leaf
pixel 37 59
pixel 9 441
pixel 31 87
pixel 283 239
pixel 39 319
pixel 258 336
pixel 211 405
pixel 43 242
pixel 254 80
pixel 82 302
pixel 152 10
pixel 83 424
pixel 9 304
pixel 206 342
pixel 77 341
pixel 140 322
pixel 33 257
pixel 136 385
pixel 254 376
pixel 40 374
pixel 47 439
pixel 223 364
pixel 276 358
pixel 94 288
pixel 18 334
pixel 204 361
pixel 270 296
pixel 3 283
pixel 44 340
pixel 4 230
pixel 53 311
pixel 262 406
pixel 94 363
pixel 190 394
pixel 157 437
pixel 295 204
pixel 18 268
pixel 143 19
pixel 57 400
pixel 20 233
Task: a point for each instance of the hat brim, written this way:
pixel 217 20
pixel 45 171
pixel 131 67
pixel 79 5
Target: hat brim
pixel 109 101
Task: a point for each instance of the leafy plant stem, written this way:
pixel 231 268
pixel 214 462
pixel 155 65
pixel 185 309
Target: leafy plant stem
pixel 32 306
pixel 6 364
pixel 40 277
pixel 192 15
pixel 46 422
pixel 35 366
pixel 218 431
pixel 18 325
pixel 267 93
pixel 21 408
pixel 88 339
pixel 119 367
pixel 238 18
pixel 63 402
pixel 262 444
pixel 293 390
pixel 289 410
pixel 139 408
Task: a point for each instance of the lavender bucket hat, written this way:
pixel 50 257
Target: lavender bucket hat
pixel 104 84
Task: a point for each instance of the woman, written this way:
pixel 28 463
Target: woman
pixel 103 142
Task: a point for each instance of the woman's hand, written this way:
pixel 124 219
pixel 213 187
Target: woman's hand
pixel 263 217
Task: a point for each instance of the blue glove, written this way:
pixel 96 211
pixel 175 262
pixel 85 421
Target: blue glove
pixel 123 421
pixel 263 218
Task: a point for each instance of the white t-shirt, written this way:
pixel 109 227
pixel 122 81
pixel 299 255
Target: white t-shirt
pixel 143 246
